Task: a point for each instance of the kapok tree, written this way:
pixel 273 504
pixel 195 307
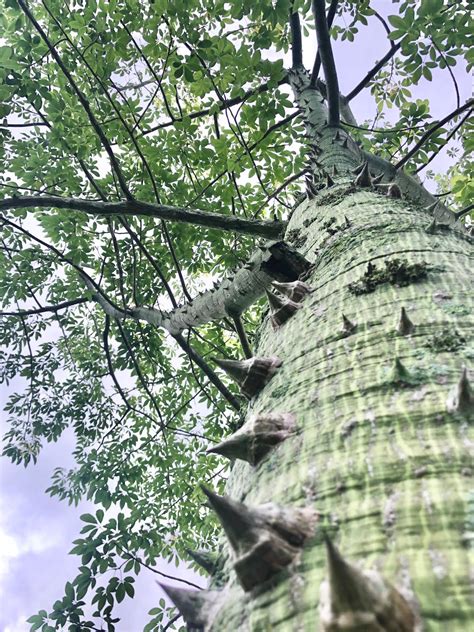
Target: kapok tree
pixel 152 150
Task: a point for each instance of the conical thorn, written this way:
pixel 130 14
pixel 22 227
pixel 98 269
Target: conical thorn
pixel 461 399
pixel 352 599
pixel 404 327
pixel 193 605
pixel 400 374
pixel 363 178
pixel 251 374
pixel 264 539
pixel 432 207
pixel 206 560
pixel 348 327
pixel 281 308
pixel 257 437
pixel 394 190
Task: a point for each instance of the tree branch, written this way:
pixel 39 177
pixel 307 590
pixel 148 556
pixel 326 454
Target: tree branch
pixel 268 229
pixel 82 99
pixel 464 211
pixel 362 84
pixel 223 105
pixel 46 308
pixel 317 61
pixel 327 60
pixel 445 142
pixel 206 369
pixel 239 328
pixel 431 131
pixel 296 42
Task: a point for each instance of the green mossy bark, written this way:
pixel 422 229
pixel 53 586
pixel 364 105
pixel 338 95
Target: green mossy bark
pixel 388 468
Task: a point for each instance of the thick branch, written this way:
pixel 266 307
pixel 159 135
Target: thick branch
pixel 231 298
pixel 327 59
pixel 268 229
pixel 296 42
pixel 431 131
pixel 317 61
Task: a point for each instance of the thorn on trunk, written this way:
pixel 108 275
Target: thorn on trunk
pixel 352 599
pixel 405 327
pixel 295 290
pixel 348 327
pixel 329 181
pixel 252 374
pixel 363 179
pixel 461 398
pixel 281 308
pixel 193 605
pixel 377 179
pixel 432 207
pixel 436 227
pixel 205 559
pixel 400 374
pixel 265 539
pixel 257 437
pixel 394 190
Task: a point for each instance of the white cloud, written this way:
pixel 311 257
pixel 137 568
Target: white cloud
pixel 13 547
pixel 19 625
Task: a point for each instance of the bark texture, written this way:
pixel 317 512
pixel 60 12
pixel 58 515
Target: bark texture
pixel 378 452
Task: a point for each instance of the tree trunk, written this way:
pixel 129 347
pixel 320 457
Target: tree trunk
pixel 379 453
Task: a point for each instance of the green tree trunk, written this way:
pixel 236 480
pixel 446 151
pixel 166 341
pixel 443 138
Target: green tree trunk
pixel 377 452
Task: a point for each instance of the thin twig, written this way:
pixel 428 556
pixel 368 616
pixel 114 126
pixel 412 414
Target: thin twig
pixel 46 308
pixel 221 387
pixel 445 142
pixel 431 131
pixel 362 84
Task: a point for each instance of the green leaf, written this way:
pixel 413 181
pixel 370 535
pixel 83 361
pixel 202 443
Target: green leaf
pixel 397 22
pixel 88 518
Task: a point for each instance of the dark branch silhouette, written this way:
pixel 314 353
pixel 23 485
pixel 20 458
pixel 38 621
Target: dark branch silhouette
pixel 327 60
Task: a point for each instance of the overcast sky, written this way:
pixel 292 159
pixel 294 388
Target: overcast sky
pixel 36 531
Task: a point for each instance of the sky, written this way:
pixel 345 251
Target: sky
pixel 36 531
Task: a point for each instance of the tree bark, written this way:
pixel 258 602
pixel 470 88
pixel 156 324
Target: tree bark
pixel 377 454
